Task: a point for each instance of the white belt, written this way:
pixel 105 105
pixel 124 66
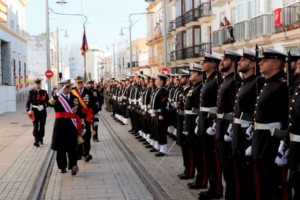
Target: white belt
pixel 243 123
pixel 294 138
pixel 270 126
pixel 133 101
pixel 35 106
pixel 189 112
pixel 208 109
pixel 223 115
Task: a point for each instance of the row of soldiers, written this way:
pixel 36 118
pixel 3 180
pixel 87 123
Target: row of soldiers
pixel 76 120
pixel 229 121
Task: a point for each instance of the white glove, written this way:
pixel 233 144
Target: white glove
pixel 228 134
pixel 283 152
pixel 249 132
pixel 61 91
pixel 185 133
pixel 212 130
pixel 196 129
pixel 248 151
pixel 96 123
pixel 41 107
pixel 29 112
pixel 83 131
pixel 196 121
pixel 280 161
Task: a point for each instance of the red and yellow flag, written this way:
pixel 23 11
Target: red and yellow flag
pixel 84 46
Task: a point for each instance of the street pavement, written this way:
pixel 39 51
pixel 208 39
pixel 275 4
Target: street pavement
pixel 109 175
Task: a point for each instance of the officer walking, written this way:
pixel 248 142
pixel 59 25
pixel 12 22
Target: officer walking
pixel 89 110
pixel 67 129
pixel 36 108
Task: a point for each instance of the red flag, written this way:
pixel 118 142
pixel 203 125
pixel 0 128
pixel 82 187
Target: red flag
pixel 277 16
pixel 84 46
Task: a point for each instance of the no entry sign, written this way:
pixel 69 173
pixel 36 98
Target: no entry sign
pixel 49 73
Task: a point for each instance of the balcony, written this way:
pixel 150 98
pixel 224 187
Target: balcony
pixel 197 50
pixel 217 3
pixel 221 37
pixel 179 54
pixel 173 56
pixel 289 22
pixel 172 26
pixel 179 22
pixel 191 16
pixel 241 30
pixel 205 14
pixel 261 25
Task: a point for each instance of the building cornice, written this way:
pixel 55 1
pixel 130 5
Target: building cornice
pixel 5 29
pixel 152 5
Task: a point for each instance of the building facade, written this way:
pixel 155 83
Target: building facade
pixel 13 65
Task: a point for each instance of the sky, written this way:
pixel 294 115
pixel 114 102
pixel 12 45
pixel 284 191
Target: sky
pixel 105 19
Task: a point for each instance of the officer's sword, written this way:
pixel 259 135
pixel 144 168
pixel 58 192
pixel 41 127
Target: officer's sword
pixel 166 154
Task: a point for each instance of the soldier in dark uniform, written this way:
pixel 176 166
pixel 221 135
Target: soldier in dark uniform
pixel 98 102
pixel 87 101
pixel 242 128
pixel 172 108
pixel 191 110
pixel 225 104
pixel 36 106
pixel 133 89
pixel 206 127
pixel 67 127
pixel 182 139
pixel 152 119
pixel 294 131
pixel 158 106
pixel 271 112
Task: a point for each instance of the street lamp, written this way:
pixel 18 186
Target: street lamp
pixel 130 39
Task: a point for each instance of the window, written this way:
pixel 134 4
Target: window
pixel 197 36
pixel 188 5
pixel 189 37
pixel 178 8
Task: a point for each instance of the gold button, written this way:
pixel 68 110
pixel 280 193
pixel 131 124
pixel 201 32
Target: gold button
pixel 290 124
pixel 291 108
pixel 265 84
pixel 261 90
pixel 293 100
pixel 257 97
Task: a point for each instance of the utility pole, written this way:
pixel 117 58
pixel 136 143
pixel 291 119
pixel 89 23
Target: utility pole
pixel 165 33
pixel 48 46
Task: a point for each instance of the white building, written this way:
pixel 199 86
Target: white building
pixel 13 65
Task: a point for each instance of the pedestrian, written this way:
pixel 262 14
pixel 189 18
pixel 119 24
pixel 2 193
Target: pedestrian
pixel 89 111
pixel 294 150
pixel 158 111
pixel 271 112
pixel 67 127
pixel 36 107
pixel 242 128
pixel 212 172
pixel 98 102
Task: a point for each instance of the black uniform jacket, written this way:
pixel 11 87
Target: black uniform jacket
pixel 65 133
pixel 271 106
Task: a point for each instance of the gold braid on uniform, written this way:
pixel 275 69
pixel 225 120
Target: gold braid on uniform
pixel 52 101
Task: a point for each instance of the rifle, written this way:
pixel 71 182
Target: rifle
pixel 290 83
pixel 257 70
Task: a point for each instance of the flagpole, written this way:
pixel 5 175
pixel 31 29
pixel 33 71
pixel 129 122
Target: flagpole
pixel 84 64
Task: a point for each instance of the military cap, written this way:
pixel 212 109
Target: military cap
pixel 162 76
pixel 232 54
pixel 184 72
pixel 168 75
pixel 269 53
pixel 79 79
pixel 175 75
pixel 66 82
pixel 294 56
pixel 249 54
pixel 127 78
pixel 90 81
pixel 147 76
pixel 211 58
pixel 195 67
pixel 37 81
pixel 123 79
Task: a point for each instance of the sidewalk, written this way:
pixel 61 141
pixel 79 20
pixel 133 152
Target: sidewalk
pixel 20 161
pixel 107 176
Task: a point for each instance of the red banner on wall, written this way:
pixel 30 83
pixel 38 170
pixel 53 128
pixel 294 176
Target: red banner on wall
pixel 277 16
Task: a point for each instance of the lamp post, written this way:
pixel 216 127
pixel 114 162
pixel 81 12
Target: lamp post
pixel 130 39
pixel 48 45
pixel 165 28
pixel 81 15
pixel 57 49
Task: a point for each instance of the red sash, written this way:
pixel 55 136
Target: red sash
pixel 86 110
pixel 70 116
